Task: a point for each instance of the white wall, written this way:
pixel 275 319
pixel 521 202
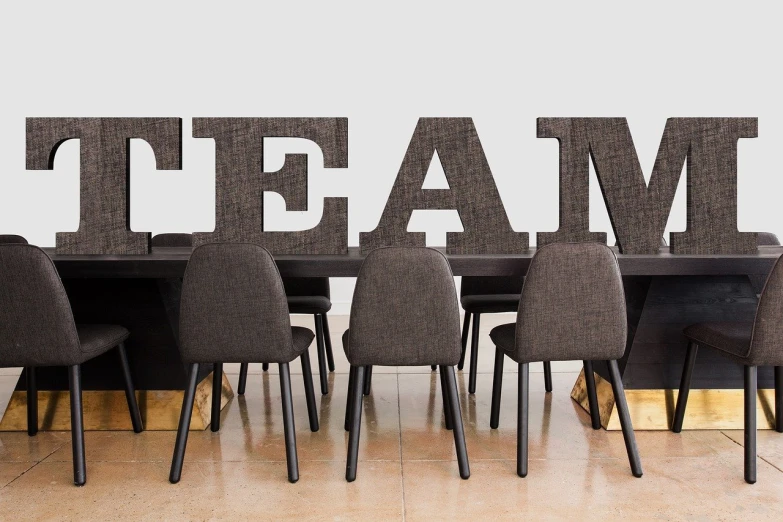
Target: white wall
pixel 382 68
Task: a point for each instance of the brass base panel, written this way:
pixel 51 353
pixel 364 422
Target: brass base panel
pixel 108 410
pixel 654 409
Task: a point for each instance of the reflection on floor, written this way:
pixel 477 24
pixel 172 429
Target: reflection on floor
pixel 407 467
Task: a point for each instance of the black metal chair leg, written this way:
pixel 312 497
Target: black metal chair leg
pixel 474 355
pixel 592 395
pixel 548 376
pixel 368 380
pixel 625 418
pixel 328 343
pixel 465 330
pixel 130 390
pixel 242 378
pixel 265 367
pixel 523 395
pixel 217 393
pixel 184 425
pixel 291 458
pixel 319 339
pixel 751 386
pixel 32 401
pixel 779 399
pixel 456 421
pixel 685 387
pixel 307 377
pixel 349 398
pixel 497 385
pixel 77 425
pixel 444 390
pixel 357 397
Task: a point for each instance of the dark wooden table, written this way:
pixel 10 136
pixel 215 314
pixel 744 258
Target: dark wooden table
pixel 171 262
pixel 664 293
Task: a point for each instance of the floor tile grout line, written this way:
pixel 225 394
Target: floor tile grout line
pixel 34 465
pixel 757 455
pixel 399 423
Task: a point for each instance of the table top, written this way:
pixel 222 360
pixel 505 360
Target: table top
pixel 171 262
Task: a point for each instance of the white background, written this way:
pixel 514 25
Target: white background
pixel 383 68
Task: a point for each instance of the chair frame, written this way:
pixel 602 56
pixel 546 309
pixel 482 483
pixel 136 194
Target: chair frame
pixel 750 377
pixel 474 344
pixel 77 411
pixel 325 356
pixel 358 380
pixel 292 461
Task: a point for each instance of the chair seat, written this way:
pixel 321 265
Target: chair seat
pixel 733 339
pixel 96 339
pixel 308 304
pixel 490 304
pixel 503 336
pixel 303 338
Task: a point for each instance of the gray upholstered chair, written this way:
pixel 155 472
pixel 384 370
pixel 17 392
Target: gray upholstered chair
pixel 6 239
pixel 305 295
pixel 755 344
pixel 764 239
pixel 572 307
pixel 404 313
pixel 308 295
pixel 488 295
pixel 767 239
pixel 37 329
pixel 172 240
pixel 233 309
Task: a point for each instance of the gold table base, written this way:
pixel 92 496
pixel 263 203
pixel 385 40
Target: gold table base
pixel 108 410
pixel 710 409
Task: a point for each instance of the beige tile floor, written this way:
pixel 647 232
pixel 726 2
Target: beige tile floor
pixel 407 467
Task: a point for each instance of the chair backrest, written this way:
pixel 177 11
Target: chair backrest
pixel 36 322
pixel 307 286
pixel 572 306
pixel 488 285
pixel 233 307
pixel 766 346
pixel 172 240
pixel 404 310
pixel 12 239
pixel 767 239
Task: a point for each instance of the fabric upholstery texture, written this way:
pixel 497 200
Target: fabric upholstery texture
pixel 472 192
pixel 766 346
pixel 99 338
pixel 732 338
pixel 233 308
pixel 404 310
pixel 104 208
pixel 756 344
pixel 307 295
pixel 36 323
pixel 572 307
pixel 639 210
pixel 764 239
pixel 172 240
pixel 240 185
pixel 768 239
pixel 504 336
pixel 313 304
pixel 13 239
